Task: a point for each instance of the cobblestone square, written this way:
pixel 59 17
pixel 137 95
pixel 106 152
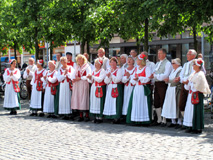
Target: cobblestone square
pixel 25 137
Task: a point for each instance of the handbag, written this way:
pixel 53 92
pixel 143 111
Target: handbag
pixel 195 98
pixel 114 92
pixel 39 85
pixel 99 92
pixel 16 86
pixel 53 87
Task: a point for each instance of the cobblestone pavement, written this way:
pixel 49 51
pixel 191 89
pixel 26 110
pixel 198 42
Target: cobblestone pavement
pixel 24 137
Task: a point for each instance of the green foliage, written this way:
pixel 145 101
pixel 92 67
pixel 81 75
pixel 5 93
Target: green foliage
pixel 25 22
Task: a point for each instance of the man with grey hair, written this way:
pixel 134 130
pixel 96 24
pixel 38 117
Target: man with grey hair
pixel 162 71
pixel 123 61
pixel 28 74
pixel 101 54
pixel 134 53
pixel 183 78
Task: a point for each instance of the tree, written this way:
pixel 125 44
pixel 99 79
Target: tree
pixel 180 15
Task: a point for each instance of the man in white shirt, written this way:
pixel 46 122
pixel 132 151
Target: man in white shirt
pixel 58 62
pixel 28 74
pixel 183 78
pixel 123 61
pixel 134 54
pixel 101 54
pixel 162 70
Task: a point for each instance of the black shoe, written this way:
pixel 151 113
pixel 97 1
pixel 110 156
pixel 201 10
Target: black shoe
pixel 155 124
pixel 189 130
pixel 116 121
pixel 35 114
pixel 86 119
pixel 41 114
pixel 65 118
pixel 163 125
pixel 71 118
pixel 100 121
pixel 54 116
pixel 178 126
pixel 11 112
pixel 32 114
pixel 183 128
pixel 95 120
pixel 80 119
pixel 196 131
pixel 14 112
pixel 49 116
pixel 172 125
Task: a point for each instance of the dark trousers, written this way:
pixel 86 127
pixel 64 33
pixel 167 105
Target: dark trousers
pixel 183 98
pixel 29 88
pixel 159 94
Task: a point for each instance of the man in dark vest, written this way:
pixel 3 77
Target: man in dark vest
pixel 162 71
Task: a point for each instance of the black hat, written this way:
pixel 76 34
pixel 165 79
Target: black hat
pixel 69 53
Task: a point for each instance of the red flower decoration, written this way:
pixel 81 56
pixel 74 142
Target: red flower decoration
pixel 142 56
pixel 40 61
pixel 100 61
pixel 11 61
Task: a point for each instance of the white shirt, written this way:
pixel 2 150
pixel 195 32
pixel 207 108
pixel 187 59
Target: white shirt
pixel 162 76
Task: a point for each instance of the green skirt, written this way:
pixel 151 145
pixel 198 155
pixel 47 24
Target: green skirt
pixel 15 108
pixel 119 103
pixel 101 105
pixel 198 115
pixel 147 92
pixel 56 100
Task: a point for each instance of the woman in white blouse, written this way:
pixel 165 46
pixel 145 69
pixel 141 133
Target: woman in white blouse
pixel 139 110
pixel 114 96
pixel 98 91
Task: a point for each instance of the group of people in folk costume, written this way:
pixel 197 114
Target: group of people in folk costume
pixel 107 91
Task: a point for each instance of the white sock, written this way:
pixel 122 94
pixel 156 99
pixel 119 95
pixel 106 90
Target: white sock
pixel 182 113
pixel 164 120
pixel 158 111
pixel 173 121
pixel 179 121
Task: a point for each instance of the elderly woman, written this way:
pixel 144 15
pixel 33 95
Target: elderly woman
pixel 65 76
pixel 50 79
pixel 98 91
pixel 140 110
pixel 37 89
pixel 197 86
pixel 80 96
pixel 128 86
pixel 114 96
pixel 11 94
pixel 170 106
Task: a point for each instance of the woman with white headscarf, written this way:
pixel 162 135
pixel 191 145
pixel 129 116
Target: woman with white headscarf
pixel 197 86
pixel 50 79
pixel 11 94
pixel 170 106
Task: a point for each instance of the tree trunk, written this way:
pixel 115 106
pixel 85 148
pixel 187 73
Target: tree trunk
pixel 146 41
pixel 195 38
pixel 138 45
pixel 82 46
pixel 88 48
pixel 15 46
pixel 51 53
